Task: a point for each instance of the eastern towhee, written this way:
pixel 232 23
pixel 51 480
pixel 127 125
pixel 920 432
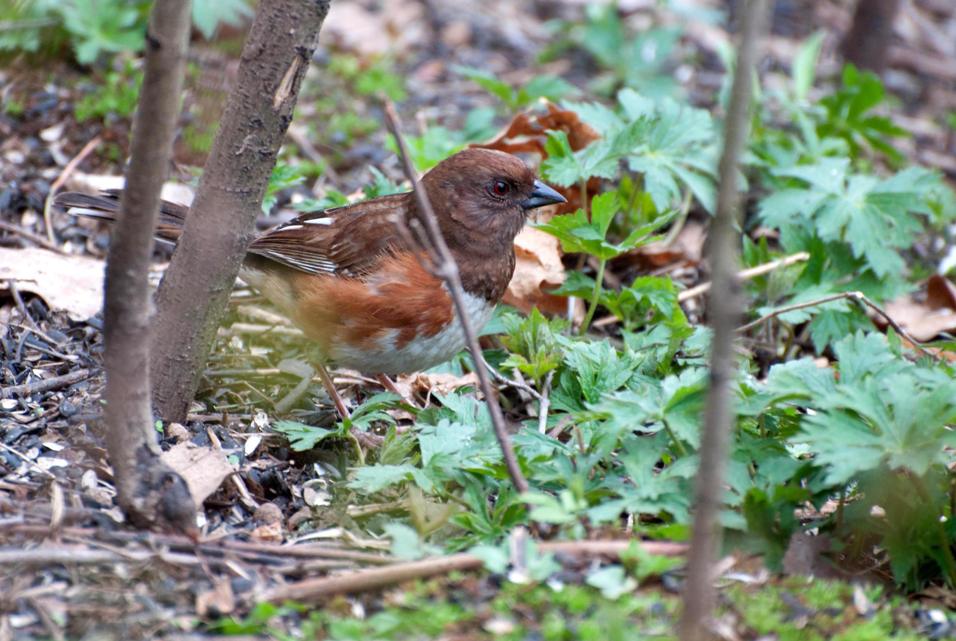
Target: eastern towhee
pixel 359 287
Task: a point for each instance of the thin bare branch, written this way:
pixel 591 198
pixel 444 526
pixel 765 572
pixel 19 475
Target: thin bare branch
pixel 46 385
pixel 312 590
pixel 724 310
pixel 747 274
pixel 703 288
pixel 62 178
pixel 857 297
pixel 446 268
pixel 150 493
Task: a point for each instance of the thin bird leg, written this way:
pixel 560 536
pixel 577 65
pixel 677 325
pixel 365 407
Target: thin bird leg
pixel 390 386
pixel 333 393
pixel 369 441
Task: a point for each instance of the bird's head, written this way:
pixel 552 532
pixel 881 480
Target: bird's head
pixel 482 197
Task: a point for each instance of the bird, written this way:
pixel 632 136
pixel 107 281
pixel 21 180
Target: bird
pixel 357 283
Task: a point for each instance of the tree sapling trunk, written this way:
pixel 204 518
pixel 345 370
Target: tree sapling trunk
pixel 149 492
pixel 724 311
pixel 193 295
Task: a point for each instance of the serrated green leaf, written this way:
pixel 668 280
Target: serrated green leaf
pixel 302 437
pixel 805 64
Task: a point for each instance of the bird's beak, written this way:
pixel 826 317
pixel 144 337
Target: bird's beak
pixel 541 196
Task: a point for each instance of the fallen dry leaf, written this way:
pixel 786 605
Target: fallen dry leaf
pixel 268 533
pixel 73 284
pixel 925 320
pixel 422 385
pixel 203 468
pixel 218 601
pixel 538 269
pixel 687 248
pixel 527 133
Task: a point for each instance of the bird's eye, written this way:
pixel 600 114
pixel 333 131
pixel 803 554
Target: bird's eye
pixel 500 188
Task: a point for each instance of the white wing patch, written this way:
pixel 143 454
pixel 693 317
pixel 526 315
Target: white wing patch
pixel 307 261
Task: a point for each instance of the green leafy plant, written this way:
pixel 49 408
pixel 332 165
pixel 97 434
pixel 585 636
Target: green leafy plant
pixel 116 97
pixel 532 343
pixel 437 143
pixel 514 99
pixel 98 27
pixel 849 114
pixel 879 436
pixel 637 60
pixel 282 177
pixel 579 234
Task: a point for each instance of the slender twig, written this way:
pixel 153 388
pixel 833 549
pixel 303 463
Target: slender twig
pixel 29 235
pixel 15 292
pixel 544 403
pixel 724 310
pixel 857 297
pixel 595 297
pixel 797 306
pixel 28 461
pixel 311 590
pixel 678 225
pixel 446 268
pixel 46 385
pixel 703 288
pixel 46 337
pixel 67 171
pixel 747 274
pixel 510 382
pixel 212 547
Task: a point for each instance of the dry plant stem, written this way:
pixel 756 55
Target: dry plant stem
pixel 46 385
pixel 724 311
pixel 62 178
pixel 329 385
pixel 195 290
pixel 747 274
pixel 446 268
pixel 149 492
pixel 544 403
pixel 312 590
pixel 21 306
pixel 857 297
pixel 29 235
pixel 27 460
pixel 214 548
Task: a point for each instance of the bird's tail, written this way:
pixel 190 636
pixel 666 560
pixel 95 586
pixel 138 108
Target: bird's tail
pixel 106 206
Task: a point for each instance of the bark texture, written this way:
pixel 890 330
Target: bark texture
pixel 724 310
pixel 149 492
pixel 867 43
pixel 195 290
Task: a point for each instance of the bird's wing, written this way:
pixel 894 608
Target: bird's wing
pixel 348 241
